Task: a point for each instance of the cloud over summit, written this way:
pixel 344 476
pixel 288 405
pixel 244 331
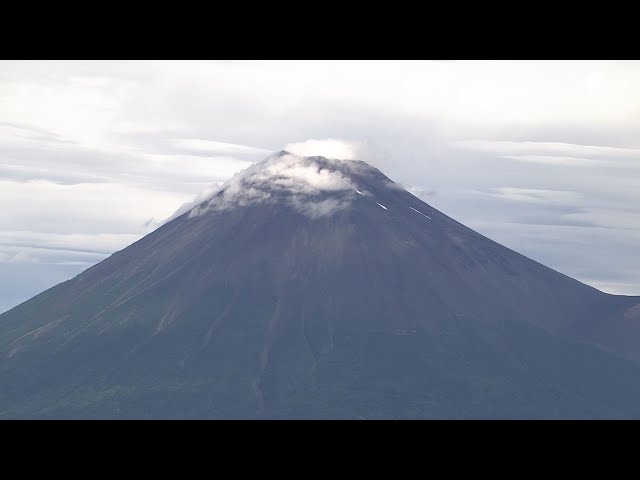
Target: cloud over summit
pixel 298 180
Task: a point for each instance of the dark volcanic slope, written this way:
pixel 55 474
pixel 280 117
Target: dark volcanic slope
pixel 354 301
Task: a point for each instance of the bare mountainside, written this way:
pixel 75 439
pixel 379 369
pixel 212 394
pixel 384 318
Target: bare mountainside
pixel 317 288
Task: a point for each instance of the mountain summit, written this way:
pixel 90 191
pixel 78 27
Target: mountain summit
pixel 307 287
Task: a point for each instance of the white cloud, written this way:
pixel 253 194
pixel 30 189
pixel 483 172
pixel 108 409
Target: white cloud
pixel 329 148
pixel 218 147
pixel 558 160
pixel 82 208
pixel 319 208
pixel 609 218
pixel 96 243
pixel 19 257
pixel 341 149
pixel 534 195
pixel 187 168
pixel 568 149
pixel 418 191
pixel 201 197
pixel 615 288
pixel 302 178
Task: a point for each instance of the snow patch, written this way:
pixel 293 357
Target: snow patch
pixel 354 189
pixel 420 213
pixel 383 206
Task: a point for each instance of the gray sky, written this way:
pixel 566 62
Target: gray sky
pixel 543 157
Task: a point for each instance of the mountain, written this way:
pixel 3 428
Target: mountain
pixel 315 288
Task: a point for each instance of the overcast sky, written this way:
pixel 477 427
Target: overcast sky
pixel 543 157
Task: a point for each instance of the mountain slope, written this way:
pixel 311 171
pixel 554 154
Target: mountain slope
pixel 309 287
